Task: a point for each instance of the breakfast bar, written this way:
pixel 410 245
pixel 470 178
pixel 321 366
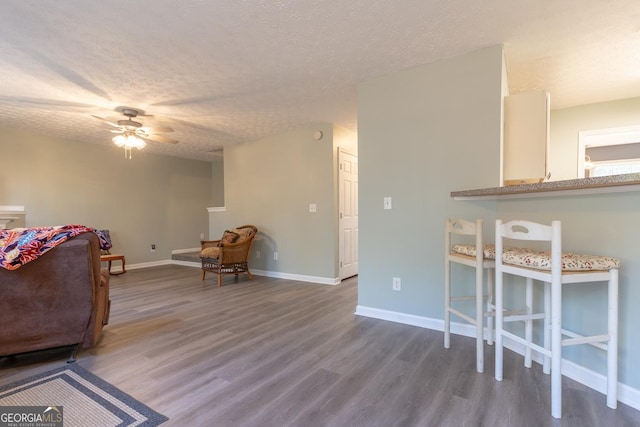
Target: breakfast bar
pixel 604 184
pixel 599 216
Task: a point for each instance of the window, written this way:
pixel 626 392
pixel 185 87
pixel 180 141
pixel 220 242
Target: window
pixel 609 152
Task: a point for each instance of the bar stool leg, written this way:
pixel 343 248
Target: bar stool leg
pixel 528 329
pixel 546 333
pixel 447 303
pixel 490 283
pixel 479 321
pixel 499 325
pixel 612 345
pixel 556 349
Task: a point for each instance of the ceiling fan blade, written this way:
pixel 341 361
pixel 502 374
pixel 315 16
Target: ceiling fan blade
pixel 117 130
pixel 58 104
pixel 156 129
pixel 159 138
pixel 106 121
pixel 197 126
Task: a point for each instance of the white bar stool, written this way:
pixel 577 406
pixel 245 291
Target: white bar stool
pixel 554 269
pixel 481 258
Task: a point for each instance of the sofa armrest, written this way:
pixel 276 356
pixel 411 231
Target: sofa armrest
pixel 52 301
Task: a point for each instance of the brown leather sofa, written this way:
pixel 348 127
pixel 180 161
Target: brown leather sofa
pixel 60 299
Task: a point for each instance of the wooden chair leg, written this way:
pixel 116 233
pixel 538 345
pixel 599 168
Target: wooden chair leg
pixel 219 279
pixel 203 273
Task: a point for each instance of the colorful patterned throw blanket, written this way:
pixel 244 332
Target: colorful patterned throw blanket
pixel 19 246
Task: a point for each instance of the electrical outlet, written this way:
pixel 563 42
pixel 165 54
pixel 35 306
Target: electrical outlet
pixel 396 283
pixel 313 207
pixel 201 236
pixel 153 248
pixel 275 256
pixel 387 202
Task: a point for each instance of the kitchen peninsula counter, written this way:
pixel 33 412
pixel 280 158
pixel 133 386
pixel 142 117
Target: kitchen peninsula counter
pixel 598 185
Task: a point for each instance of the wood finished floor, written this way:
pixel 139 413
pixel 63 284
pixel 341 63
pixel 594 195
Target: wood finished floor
pixel 272 352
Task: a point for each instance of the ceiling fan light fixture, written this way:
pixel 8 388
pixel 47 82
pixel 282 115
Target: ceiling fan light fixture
pixel 132 134
pixel 129 141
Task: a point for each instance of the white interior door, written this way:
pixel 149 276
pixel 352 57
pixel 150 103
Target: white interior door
pixel 348 215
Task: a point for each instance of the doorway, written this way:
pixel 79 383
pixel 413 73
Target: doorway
pixel 347 214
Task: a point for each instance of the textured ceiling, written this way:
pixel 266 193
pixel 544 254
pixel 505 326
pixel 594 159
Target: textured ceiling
pixel 224 71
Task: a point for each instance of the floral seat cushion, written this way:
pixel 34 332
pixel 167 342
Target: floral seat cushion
pixel 570 262
pixel 488 251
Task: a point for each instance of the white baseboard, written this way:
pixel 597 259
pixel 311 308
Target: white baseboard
pixel 118 268
pixel 148 264
pixel 626 394
pixel 298 277
pixel 265 273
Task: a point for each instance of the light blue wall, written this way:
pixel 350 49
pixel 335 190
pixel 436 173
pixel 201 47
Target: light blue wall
pixel 217 180
pixel 434 129
pixel 423 133
pixel 605 224
pixel 270 183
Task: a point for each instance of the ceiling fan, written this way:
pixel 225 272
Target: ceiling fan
pixel 132 134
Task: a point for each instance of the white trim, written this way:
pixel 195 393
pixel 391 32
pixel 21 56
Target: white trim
pixel 184 251
pixel 143 265
pixel 217 209
pixel 12 210
pixel 273 274
pixel 118 268
pixel 407 319
pixel 598 382
pixel 298 277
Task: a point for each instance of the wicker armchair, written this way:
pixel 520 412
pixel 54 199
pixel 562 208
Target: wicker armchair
pixel 228 255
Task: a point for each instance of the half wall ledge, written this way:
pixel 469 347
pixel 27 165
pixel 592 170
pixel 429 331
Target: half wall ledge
pixel 9 214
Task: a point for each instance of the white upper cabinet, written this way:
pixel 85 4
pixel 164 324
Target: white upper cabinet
pixel 526 137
